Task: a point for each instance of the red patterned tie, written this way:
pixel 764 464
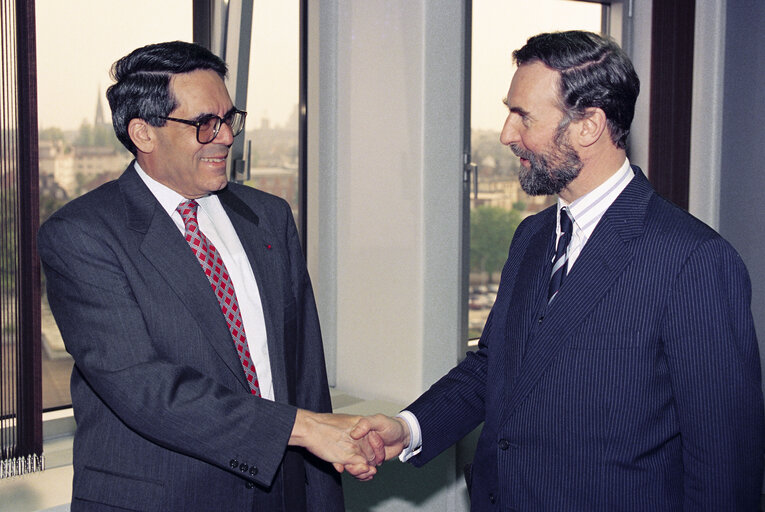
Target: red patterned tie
pixel 220 281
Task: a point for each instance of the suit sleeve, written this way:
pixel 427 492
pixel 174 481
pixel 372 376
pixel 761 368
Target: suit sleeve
pixel 456 404
pixel 708 335
pixel 452 407
pixel 164 401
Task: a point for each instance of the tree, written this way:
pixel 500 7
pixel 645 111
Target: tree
pixel 52 134
pixel 491 231
pixel 103 136
pixel 485 143
pixel 84 134
pixel 49 204
pixel 100 135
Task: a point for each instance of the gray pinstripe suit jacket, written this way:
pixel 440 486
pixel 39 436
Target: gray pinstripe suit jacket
pixel 159 395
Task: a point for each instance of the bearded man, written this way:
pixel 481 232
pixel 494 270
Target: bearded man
pixel 618 369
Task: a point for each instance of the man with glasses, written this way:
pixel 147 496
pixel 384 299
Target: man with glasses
pixel 199 380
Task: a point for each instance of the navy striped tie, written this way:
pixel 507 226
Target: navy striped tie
pixel 560 263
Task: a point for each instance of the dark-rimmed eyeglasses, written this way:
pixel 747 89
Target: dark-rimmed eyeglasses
pixel 209 125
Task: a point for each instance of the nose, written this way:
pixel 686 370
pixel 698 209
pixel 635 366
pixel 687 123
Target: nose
pixel 225 135
pixel 509 133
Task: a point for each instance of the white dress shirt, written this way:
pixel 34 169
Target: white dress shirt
pixel 217 227
pixel 586 212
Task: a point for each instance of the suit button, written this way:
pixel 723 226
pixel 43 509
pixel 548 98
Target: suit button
pixel 492 499
pixel 243 467
pixel 504 444
pixel 233 463
pixel 249 485
pixel 253 471
pixel 541 319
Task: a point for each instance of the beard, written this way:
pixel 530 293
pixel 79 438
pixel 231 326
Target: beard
pixel 549 172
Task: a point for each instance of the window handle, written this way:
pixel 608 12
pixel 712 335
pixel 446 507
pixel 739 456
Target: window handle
pixel 471 170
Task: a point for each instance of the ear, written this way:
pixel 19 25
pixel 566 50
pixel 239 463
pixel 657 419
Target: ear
pixel 592 127
pixel 142 134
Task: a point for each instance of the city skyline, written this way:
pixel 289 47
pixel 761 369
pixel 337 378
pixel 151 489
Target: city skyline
pixel 73 71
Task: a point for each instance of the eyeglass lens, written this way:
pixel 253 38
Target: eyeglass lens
pixel 209 129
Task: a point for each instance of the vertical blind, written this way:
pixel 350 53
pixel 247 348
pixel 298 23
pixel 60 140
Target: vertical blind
pixel 20 362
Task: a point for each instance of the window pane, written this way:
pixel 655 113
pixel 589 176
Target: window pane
pixel 77 42
pixel 499 27
pixel 273 100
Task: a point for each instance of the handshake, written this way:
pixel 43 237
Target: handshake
pixel 354 444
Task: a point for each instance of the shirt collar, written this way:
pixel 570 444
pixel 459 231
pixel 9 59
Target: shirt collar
pixel 167 197
pixel 588 209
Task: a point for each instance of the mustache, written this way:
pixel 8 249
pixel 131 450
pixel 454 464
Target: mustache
pixel 215 151
pixel 520 152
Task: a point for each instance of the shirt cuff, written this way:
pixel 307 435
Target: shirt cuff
pixel 415 436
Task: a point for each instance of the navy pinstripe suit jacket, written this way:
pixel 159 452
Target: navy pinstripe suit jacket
pixel 637 389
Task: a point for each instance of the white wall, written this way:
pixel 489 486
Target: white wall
pixel 380 198
pixel 707 111
pixel 384 234
pixel 639 16
pixel 386 170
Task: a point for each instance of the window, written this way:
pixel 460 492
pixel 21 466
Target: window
pixel 497 204
pixel 77 41
pixel 272 143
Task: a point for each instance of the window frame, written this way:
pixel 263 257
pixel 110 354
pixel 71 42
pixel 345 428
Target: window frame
pixel 228 33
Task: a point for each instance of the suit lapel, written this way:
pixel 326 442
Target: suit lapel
pixel 530 287
pixel 259 244
pixel 165 248
pixel 533 279
pixel 605 256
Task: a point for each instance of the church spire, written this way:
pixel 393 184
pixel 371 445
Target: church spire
pixel 99 120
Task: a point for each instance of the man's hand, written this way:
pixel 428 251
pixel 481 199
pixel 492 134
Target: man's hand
pixel 384 434
pixel 328 437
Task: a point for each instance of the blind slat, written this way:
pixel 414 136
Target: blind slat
pixel 20 348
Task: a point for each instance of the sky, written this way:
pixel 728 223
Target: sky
pixel 501 26
pixel 78 40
